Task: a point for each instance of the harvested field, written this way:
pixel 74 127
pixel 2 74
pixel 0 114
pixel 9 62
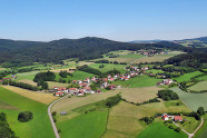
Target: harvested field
pixel 45 98
pixel 139 95
pixel 28 82
pixel 56 84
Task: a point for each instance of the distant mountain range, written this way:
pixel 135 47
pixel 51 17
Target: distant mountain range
pixel 146 41
pixel 195 42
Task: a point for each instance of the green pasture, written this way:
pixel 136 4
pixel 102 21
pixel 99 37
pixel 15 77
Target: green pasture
pixel 38 127
pixel 90 125
pixel 159 130
pixel 108 67
pixel 138 81
pixel 77 75
pixel 186 77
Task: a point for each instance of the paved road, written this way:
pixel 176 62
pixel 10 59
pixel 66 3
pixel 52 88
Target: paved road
pixel 51 119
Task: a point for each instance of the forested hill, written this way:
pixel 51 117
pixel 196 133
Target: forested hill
pixel 20 53
pixel 196 42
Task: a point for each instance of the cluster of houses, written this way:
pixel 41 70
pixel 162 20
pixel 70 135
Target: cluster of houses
pixel 61 91
pixel 176 118
pixel 165 82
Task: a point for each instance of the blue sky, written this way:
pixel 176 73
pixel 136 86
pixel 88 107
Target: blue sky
pixel 122 20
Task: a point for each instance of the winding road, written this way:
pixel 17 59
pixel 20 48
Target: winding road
pixel 51 118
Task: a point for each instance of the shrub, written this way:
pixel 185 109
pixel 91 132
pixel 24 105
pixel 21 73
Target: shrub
pixel 54 113
pixel 25 116
pixel 147 120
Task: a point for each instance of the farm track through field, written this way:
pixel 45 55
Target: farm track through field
pixel 51 118
pixel 190 135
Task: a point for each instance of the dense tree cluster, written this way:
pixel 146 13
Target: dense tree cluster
pixel 147 120
pixel 5 130
pixel 167 95
pixel 25 116
pixel 88 69
pixel 20 84
pixel 46 76
pixel 112 101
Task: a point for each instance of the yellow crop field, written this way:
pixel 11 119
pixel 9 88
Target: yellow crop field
pixel 44 98
pixel 139 95
pixel 28 82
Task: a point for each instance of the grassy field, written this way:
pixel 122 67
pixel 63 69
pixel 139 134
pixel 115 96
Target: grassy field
pixel 139 81
pixel 159 130
pixel 77 75
pixel 199 86
pixel 154 71
pixel 193 100
pixel 31 82
pixel 202 78
pixel 158 58
pixel 56 84
pixel 91 125
pixel 26 75
pixel 123 56
pixel 139 95
pixel 38 127
pixel 108 67
pixel 44 98
pixel 188 76
pixel 124 118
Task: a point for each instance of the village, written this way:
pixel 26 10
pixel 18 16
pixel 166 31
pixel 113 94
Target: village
pixel 103 83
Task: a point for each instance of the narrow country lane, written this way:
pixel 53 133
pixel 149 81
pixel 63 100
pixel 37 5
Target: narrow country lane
pixel 51 119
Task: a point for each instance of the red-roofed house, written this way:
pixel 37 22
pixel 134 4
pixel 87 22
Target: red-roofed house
pixel 165 117
pixel 73 90
pixel 112 87
pixel 59 94
pixel 111 79
pixel 178 118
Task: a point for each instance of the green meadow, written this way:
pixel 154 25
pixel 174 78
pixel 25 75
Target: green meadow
pixel 108 67
pixel 90 125
pixel 139 81
pixel 159 130
pixel 188 76
pixel 77 75
pixel 39 127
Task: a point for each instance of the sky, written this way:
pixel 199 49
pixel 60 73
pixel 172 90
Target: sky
pixel 120 20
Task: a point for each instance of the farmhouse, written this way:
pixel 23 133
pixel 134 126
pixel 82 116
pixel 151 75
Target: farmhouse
pixel 112 87
pixel 178 118
pixel 73 90
pixel 59 94
pixel 165 117
pixel 167 81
